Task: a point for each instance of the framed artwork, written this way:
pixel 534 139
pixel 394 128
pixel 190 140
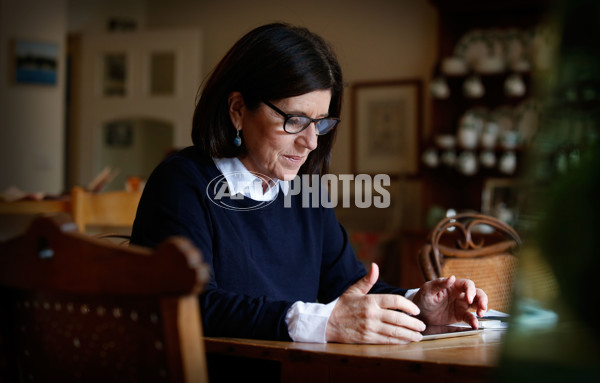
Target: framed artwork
pixel 499 198
pixel 386 122
pixel 114 80
pixel 34 62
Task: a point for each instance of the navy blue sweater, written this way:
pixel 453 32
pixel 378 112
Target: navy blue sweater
pixel 262 260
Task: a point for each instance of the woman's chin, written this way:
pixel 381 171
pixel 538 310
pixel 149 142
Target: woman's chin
pixel 288 176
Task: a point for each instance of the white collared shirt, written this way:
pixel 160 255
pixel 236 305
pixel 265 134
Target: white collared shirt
pixel 241 181
pixel 306 321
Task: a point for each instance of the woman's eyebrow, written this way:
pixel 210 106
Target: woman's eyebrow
pixel 299 113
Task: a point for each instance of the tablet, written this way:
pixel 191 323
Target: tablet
pixel 444 331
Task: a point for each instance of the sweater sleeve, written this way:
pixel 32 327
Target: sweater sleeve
pixel 174 203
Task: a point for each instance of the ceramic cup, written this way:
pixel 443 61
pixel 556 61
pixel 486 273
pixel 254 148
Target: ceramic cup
pixel 508 162
pixel 489 136
pixel 439 88
pixel 445 141
pixel 487 158
pixel 430 158
pixel 454 66
pixel 514 86
pixel 467 163
pixel 467 136
pixel 473 87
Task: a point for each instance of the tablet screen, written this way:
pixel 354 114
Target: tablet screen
pixel 444 331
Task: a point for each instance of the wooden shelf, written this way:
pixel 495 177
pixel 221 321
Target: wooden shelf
pixel 447 187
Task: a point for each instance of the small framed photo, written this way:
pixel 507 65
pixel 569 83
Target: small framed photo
pixel 386 123
pixel 34 62
pixel 499 199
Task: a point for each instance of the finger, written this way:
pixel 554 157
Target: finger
pixel 442 283
pixel 400 333
pixel 396 302
pixel 468 287
pixel 365 283
pixel 471 320
pixel 402 320
pixel 390 334
pixel 481 302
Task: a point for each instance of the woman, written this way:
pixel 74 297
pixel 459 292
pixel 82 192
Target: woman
pixel 269 112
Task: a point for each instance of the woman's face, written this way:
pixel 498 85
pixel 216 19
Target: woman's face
pixel 270 150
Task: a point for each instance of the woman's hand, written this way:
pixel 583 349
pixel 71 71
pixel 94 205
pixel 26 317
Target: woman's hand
pixel 448 300
pixel 359 317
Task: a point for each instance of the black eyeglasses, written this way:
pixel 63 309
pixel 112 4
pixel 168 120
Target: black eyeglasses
pixel 295 123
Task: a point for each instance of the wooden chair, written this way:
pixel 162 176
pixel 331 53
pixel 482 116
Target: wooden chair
pixel 491 266
pixel 77 308
pixel 112 210
pixel 35 207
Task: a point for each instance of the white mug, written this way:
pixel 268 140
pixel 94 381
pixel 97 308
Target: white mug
pixel 467 163
pixel 473 88
pixel 489 136
pixel 514 86
pixel 487 158
pixel 439 88
pixel 508 162
pixel 430 158
pixel 467 136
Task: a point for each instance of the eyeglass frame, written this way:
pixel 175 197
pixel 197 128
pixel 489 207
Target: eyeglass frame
pixel 312 120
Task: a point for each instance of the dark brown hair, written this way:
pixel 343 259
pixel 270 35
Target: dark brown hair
pixel 271 62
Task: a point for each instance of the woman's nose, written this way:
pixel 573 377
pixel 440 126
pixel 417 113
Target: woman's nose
pixel 309 137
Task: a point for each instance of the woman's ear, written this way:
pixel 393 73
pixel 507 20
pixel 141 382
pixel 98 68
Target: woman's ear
pixel 236 109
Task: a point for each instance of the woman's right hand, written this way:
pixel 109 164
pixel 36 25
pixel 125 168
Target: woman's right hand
pixel 359 317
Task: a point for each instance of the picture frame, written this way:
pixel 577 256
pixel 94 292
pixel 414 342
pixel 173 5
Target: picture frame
pixel 386 123
pixel 114 74
pixel 34 62
pixel 499 198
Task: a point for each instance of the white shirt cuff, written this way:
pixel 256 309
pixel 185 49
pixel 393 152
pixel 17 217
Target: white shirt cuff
pixel 410 294
pixel 307 322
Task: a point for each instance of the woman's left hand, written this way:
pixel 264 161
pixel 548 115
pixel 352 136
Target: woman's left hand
pixel 448 300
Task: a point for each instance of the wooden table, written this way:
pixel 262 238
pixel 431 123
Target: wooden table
pixel 462 359
pixel 15 217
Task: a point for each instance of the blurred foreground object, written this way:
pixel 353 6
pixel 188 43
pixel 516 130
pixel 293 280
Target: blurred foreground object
pixel 77 308
pixel 553 335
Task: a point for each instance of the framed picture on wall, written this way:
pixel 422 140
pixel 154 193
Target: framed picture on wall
pixel 386 121
pixel 34 62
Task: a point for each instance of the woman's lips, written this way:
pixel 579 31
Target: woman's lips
pixel 294 159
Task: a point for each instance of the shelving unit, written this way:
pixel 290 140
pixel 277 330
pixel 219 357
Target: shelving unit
pixel 446 186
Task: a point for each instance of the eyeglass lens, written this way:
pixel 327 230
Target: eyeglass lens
pixel 295 124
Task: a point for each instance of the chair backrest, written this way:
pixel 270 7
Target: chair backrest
pixel 106 209
pixel 454 247
pixel 78 308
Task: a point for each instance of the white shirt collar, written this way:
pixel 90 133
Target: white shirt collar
pixel 241 181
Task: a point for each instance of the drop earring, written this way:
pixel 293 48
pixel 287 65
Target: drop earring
pixel 237 141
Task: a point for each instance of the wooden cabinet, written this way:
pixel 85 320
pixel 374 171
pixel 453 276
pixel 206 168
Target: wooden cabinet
pixel 455 186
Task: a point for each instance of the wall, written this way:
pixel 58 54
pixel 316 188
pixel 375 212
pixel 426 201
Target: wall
pixel 378 39
pixel 375 40
pixel 92 15
pixel 32 116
